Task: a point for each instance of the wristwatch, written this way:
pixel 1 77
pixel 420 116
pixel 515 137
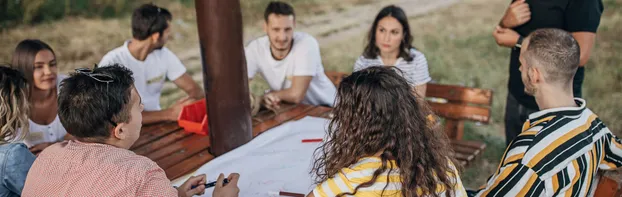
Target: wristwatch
pixel 519 42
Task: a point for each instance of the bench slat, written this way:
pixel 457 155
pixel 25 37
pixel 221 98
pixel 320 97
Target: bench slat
pixel 461 112
pixel 459 94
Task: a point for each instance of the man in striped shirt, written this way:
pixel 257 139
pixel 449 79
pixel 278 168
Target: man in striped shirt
pixel 564 145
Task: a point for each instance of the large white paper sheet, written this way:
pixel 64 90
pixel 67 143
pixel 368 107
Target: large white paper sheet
pixel 274 161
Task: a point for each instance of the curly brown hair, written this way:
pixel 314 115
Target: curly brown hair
pixel 377 112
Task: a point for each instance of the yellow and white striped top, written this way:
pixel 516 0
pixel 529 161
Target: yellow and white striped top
pixel 390 181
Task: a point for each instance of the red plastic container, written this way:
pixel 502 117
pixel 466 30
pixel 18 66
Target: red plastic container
pixel 193 118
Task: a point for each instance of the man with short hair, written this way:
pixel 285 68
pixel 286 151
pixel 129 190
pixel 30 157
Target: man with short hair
pixel 152 63
pixel 564 145
pixel 289 61
pixel 580 17
pixel 102 110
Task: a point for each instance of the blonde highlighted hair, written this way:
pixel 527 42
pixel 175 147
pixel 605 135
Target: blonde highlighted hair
pixel 13 105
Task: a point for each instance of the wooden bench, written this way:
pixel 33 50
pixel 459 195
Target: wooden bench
pixel 455 105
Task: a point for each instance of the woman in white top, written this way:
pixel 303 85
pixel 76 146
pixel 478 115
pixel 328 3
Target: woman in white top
pixel 37 61
pixel 389 44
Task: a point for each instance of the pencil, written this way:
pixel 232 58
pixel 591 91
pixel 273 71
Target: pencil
pixel 312 140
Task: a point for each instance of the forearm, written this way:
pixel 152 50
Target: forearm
pixel 586 43
pixel 420 90
pixel 290 96
pixel 197 94
pixel 150 117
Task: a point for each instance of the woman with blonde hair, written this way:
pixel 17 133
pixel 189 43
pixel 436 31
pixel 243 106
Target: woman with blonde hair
pixel 15 158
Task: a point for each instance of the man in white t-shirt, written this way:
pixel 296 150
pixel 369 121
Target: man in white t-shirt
pixel 289 61
pixel 152 63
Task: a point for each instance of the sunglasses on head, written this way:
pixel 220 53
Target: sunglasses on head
pixel 99 77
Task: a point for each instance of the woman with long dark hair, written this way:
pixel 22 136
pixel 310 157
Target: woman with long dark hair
pixel 389 44
pixel 37 62
pixel 379 143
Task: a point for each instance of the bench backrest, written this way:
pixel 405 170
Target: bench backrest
pixel 455 104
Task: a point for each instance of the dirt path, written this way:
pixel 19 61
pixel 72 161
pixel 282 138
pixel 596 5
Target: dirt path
pixel 328 28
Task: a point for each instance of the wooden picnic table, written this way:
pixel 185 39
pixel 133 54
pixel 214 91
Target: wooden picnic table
pixel 180 153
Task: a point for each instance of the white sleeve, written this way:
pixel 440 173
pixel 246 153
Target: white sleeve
pixel 174 67
pixel 107 60
pixel 307 58
pixel 421 74
pixel 359 64
pixel 251 59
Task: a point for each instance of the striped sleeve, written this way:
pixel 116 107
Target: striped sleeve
pixel 504 183
pixel 333 186
pixel 613 152
pixel 360 64
pixel 416 71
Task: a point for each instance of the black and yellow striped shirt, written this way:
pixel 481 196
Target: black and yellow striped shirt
pixel 558 153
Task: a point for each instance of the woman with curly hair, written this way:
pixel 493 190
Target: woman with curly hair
pixel 15 158
pixel 380 143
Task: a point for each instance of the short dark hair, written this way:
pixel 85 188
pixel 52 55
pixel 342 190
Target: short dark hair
pixel 372 51
pixel 149 19
pixel 88 107
pixel 556 52
pixel 279 8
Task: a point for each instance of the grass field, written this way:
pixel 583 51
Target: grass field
pixel 456 40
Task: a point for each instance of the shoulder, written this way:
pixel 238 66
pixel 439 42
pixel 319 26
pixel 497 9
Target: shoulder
pixel 165 53
pixel 114 56
pixel 11 148
pixel 257 45
pixel 115 52
pixel 366 62
pixel 417 55
pixel 302 38
pixel 18 153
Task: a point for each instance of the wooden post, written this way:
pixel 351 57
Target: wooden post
pixel 224 74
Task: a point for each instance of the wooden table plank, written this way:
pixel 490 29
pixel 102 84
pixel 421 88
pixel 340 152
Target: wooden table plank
pixel 183 154
pixel 162 142
pixel 318 111
pixel 180 145
pixel 281 118
pixel 153 132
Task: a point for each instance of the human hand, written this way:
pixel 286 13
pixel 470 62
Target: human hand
pixel 39 147
pixel 505 37
pixel 186 190
pixel 271 101
pixel 229 190
pixel 517 14
pixel 176 108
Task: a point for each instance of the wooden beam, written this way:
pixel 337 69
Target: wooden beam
pixel 224 74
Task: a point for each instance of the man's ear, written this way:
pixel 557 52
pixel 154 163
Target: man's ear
pixel 155 37
pixel 535 75
pixel 119 132
pixel 265 26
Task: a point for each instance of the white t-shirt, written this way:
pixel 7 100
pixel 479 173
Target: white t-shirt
pixel 149 75
pixel 416 71
pixel 53 132
pixel 303 60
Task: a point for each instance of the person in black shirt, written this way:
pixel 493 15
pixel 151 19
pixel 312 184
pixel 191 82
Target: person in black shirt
pixel 579 17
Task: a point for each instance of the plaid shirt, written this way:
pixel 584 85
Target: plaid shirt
pixel 73 168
